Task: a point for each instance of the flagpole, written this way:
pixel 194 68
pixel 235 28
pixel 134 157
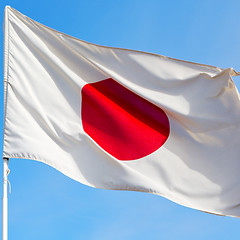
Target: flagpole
pixel 5 200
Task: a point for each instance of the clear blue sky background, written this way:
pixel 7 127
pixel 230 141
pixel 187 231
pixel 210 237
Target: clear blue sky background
pixel 44 203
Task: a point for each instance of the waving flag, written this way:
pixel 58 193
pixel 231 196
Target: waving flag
pixel 122 119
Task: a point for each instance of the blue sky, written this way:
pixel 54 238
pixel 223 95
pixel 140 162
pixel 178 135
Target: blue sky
pixel 44 203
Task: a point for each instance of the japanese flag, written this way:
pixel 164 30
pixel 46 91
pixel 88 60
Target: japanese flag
pixel 122 119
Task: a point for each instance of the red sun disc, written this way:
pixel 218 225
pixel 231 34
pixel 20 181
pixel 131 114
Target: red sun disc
pixel 124 124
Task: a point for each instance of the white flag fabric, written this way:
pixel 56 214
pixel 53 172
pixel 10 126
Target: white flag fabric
pixel 122 119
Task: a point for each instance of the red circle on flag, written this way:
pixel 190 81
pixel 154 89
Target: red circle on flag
pixel 124 124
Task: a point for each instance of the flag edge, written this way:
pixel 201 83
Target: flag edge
pixel 118 189
pixel 217 69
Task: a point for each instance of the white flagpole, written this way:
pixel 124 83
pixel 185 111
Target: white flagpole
pixel 5 160
pixel 5 200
